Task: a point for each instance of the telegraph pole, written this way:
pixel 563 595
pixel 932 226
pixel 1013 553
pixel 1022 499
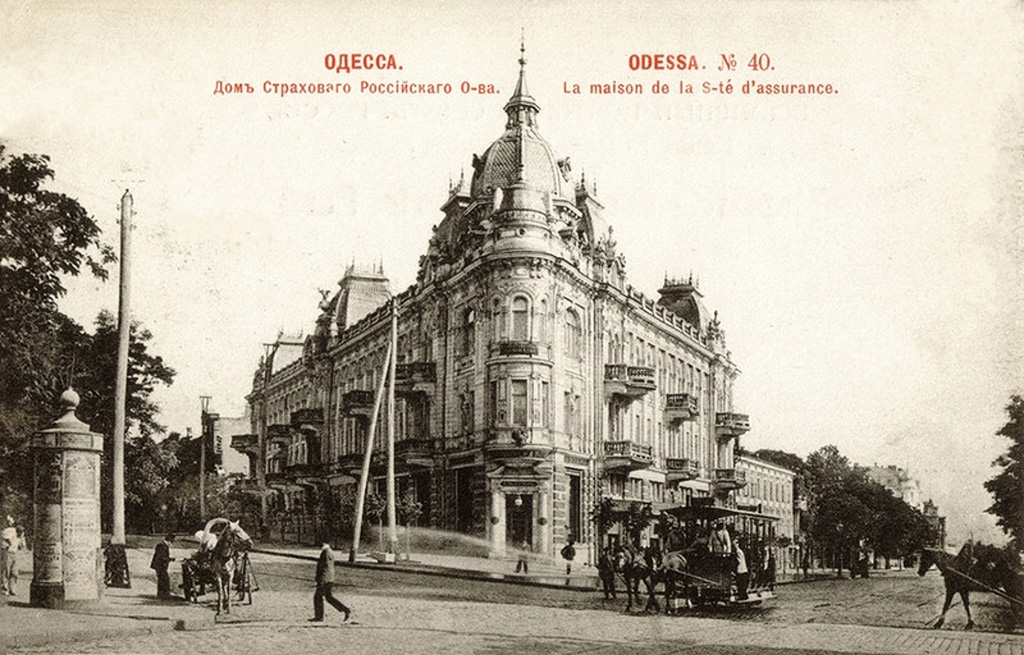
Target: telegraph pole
pixel 392 528
pixel 205 420
pixel 116 560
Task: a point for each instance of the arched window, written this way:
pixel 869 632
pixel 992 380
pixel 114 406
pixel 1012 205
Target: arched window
pixel 573 334
pixel 520 319
pixel 468 331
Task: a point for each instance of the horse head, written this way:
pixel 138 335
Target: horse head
pixel 235 538
pixel 928 558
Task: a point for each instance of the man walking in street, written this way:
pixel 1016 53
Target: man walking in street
pixel 324 581
pixel 161 561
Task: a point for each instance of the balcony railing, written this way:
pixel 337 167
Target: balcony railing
pixel 630 382
pixel 679 469
pixel 303 470
pixel 416 372
pixel 279 433
pixel 681 407
pixel 729 424
pixel 506 444
pixel 415 452
pixel 415 378
pixel 730 478
pixel 357 402
pixel 627 455
pixel 307 416
pixel 517 347
pixel 246 443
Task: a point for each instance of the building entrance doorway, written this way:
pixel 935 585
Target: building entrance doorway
pixel 518 519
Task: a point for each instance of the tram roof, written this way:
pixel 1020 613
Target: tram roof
pixel 712 513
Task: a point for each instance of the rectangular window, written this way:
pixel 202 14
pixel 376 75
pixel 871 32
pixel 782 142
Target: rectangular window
pixel 545 400
pixel 519 403
pixel 492 403
pixel 575 505
pixel 464 499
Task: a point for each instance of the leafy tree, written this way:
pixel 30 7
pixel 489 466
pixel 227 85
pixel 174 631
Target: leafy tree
pixel 96 386
pixel 148 466
pixel 44 237
pixel 1007 486
pixel 374 508
pixel 409 509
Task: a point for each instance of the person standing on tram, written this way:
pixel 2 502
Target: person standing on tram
pixel 720 543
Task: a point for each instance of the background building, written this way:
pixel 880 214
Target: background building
pixel 900 483
pixel 532 380
pixel 769 490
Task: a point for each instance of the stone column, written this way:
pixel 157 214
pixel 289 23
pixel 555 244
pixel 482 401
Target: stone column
pixel 544 520
pixel 67 558
pixel 497 521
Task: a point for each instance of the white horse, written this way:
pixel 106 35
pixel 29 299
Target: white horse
pixel 223 557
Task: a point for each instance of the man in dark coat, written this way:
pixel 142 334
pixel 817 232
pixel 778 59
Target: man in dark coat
pixel 324 581
pixel 161 560
pixel 606 571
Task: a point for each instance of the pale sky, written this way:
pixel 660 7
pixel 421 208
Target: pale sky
pixel 863 249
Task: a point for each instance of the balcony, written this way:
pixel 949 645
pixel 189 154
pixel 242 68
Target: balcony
pixel 628 382
pixel 415 378
pixel 512 348
pixel 681 407
pixel 303 470
pixel 729 479
pixel 247 444
pixel 680 469
pixel 311 416
pixel 280 434
pixel 729 425
pixel 415 452
pixel 626 455
pixel 508 445
pixel 358 402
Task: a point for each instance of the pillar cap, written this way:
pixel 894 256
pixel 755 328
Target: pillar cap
pixel 68 422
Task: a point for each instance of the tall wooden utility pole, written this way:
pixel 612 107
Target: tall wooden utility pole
pixel 117 562
pixel 357 530
pixel 393 346
pixel 205 420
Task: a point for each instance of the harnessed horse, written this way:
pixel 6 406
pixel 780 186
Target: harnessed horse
pixel 954 570
pixel 634 567
pixel 672 570
pixel 231 541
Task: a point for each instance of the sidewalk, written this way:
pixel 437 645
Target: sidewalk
pixel 543 573
pixel 121 612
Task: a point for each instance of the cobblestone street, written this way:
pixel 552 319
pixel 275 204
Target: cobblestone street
pixel 420 613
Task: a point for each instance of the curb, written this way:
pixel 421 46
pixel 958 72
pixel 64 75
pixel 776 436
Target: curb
pixel 444 571
pixel 65 636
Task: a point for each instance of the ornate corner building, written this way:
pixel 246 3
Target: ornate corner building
pixel 532 381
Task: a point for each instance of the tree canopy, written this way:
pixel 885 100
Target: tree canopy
pixel 46 237
pixel 1007 486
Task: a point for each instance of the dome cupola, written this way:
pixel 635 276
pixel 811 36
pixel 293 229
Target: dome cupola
pixel 520 156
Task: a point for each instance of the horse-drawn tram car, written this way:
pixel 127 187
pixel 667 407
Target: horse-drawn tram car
pixel 727 554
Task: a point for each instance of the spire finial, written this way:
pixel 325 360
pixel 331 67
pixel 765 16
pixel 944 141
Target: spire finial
pixel 522 48
pixel 521 108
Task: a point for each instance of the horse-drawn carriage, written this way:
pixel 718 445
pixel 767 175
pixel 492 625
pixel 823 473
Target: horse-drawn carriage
pixel 714 573
pixel 713 556
pixel 221 562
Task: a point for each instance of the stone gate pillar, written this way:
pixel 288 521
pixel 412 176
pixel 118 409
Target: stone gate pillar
pixel 67 559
